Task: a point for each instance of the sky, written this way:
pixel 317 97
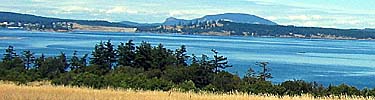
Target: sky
pixel 343 14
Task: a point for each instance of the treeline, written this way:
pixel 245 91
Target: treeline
pixel 47 22
pixel 277 30
pixel 259 30
pixel 155 68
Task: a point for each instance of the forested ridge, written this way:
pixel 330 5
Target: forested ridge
pixel 246 29
pixel 151 67
pixel 214 27
pixel 47 22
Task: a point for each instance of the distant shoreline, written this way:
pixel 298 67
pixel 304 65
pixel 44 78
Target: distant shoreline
pixel 203 34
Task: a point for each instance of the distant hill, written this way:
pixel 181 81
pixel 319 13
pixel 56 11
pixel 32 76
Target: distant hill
pixel 246 29
pixel 232 17
pixel 220 24
pixel 369 29
pixel 175 21
pixel 27 18
pixel 139 24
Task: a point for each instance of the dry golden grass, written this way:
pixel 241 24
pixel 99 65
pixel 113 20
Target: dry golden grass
pixel 42 91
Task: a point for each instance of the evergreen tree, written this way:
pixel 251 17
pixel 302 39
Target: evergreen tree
pixel 63 63
pixel 194 59
pixel 109 54
pixel 83 60
pixel 162 57
pixel 51 67
pixel 75 61
pixel 202 72
pixel 12 61
pixel 98 58
pixel 250 76
pixel 126 54
pixel 104 56
pixel 39 61
pixel 265 73
pixel 205 63
pixel 219 61
pixel 250 73
pixel 28 58
pixel 181 56
pixel 10 54
pixel 98 55
pixel 143 58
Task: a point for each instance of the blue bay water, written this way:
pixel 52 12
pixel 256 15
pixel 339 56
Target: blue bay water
pixel 325 61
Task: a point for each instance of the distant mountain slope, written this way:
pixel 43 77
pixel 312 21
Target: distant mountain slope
pixel 246 29
pixel 175 21
pixel 26 18
pixel 232 17
pixel 139 24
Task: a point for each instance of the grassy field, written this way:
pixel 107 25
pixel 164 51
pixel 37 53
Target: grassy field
pixel 37 91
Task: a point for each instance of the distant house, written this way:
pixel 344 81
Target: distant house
pixel 62 26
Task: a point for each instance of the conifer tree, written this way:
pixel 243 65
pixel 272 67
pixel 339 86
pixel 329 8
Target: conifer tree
pixel 104 55
pixel 63 62
pixel 181 56
pixel 74 61
pixel 10 54
pixel 265 72
pixel 162 57
pixel 194 59
pixel 143 58
pixel 219 61
pixel 83 60
pixel 28 59
pixel 39 61
pixel 98 55
pixel 109 54
pixel 126 54
pixel 98 58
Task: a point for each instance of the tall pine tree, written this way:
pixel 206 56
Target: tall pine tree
pixel 110 54
pixel 10 54
pixel 28 59
pixel 143 58
pixel 126 53
pixel 265 72
pixel 219 61
pixel 74 61
pixel 104 56
pixel 181 56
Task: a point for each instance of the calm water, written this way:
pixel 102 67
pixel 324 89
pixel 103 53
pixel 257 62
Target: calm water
pixel 325 61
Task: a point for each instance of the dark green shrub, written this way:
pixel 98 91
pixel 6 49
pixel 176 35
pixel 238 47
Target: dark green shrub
pixel 210 88
pixel 158 84
pixel 297 87
pixel 89 80
pixel 259 87
pixel 187 86
pixel 225 81
pixel 343 89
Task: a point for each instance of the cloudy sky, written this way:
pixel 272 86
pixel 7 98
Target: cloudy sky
pixel 319 13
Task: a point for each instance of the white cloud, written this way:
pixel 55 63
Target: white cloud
pixel 304 17
pixel 76 9
pixel 348 22
pixel 120 9
pixel 272 18
pixel 179 12
pixel 191 14
pixel 40 0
